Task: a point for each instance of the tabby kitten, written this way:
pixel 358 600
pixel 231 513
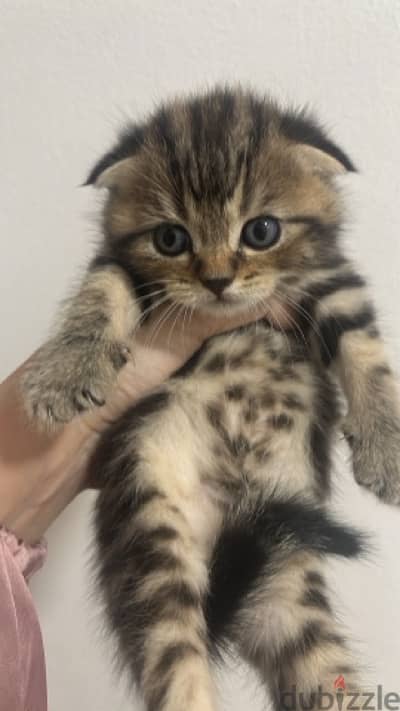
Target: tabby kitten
pixel 212 522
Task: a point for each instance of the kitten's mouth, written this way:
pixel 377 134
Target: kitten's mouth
pixel 226 302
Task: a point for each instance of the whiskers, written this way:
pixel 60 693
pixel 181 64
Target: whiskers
pixel 304 315
pixel 180 306
pixel 159 324
pixel 295 314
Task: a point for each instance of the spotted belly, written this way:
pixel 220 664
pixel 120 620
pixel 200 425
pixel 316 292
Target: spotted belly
pixel 267 412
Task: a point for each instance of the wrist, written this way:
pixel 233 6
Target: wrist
pixel 40 473
pixel 33 492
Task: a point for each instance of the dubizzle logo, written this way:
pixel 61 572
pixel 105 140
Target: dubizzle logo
pixel 339 683
pixel 340 698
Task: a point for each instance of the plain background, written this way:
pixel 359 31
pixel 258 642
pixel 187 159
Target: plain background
pixel 71 71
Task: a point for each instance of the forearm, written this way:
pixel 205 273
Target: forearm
pixel 350 345
pixel 77 367
pixel 349 340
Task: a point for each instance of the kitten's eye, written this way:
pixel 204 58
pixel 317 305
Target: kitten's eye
pixel 171 240
pixel 261 233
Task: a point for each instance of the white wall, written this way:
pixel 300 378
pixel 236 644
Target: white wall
pixel 70 71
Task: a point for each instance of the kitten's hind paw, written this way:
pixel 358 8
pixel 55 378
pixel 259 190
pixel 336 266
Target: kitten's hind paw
pixel 375 452
pixel 61 381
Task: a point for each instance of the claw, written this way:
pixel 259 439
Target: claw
pixel 92 398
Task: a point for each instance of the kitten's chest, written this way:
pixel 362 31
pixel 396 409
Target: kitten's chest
pixel 252 396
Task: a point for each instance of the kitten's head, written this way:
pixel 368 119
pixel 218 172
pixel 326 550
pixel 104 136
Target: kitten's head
pixel 222 200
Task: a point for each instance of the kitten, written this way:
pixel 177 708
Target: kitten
pixel 212 521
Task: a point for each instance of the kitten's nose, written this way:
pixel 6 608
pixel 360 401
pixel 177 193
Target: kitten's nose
pixel 217 286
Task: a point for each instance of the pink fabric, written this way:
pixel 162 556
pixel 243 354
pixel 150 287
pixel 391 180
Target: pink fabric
pixel 22 664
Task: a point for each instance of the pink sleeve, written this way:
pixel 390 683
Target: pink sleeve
pixel 22 664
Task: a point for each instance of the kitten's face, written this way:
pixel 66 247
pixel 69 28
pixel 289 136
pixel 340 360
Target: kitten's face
pixel 217 208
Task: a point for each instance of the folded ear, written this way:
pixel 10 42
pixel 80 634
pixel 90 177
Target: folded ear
pixel 312 146
pixel 317 161
pixel 111 172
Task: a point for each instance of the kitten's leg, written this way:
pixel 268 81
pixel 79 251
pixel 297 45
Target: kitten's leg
pixel 152 527
pixel 289 633
pixel 350 343
pixel 74 369
pixel 154 580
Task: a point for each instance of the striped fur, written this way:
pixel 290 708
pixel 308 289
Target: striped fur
pixel 212 521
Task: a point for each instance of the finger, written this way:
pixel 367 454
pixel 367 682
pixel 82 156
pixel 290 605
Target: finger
pixel 278 314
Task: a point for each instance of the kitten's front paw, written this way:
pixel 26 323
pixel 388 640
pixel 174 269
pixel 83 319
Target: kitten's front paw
pixel 375 451
pixel 63 381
